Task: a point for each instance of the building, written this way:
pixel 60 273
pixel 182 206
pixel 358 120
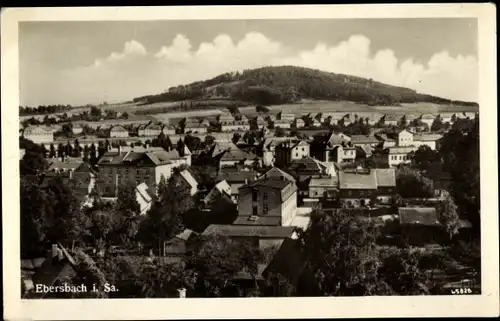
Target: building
pixel 285 117
pixel 324 187
pixel 118 131
pixel 391 120
pixel 430 140
pixel 260 122
pixel 69 164
pixel 399 155
pixel 236 179
pixel 168 129
pixel 299 123
pixel 221 190
pixel 150 130
pixel 288 151
pixel 308 166
pixel 143 197
pixel 181 244
pixel 195 127
pixel 357 187
pixel 267 201
pixel 335 148
pixel 190 181
pixel 235 157
pixel 361 140
pixel 241 125
pixel 269 148
pixel 386 184
pixel 420 225
pixel 282 124
pixel 427 119
pixel 260 235
pixel 38 134
pixel 77 129
pixel 149 166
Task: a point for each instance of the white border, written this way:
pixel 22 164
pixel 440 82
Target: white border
pixel 486 304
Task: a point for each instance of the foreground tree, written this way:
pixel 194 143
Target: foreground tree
pixel 341 253
pixel 448 216
pixel 410 183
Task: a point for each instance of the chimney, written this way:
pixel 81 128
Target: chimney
pixel 182 293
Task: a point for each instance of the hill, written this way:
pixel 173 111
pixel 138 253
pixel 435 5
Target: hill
pixel 290 84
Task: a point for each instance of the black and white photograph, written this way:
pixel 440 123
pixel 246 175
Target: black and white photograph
pixel 252 158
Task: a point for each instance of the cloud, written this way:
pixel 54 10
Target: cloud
pixel 134 71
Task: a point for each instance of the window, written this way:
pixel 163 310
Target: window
pixel 254 196
pixel 302 148
pixel 264 195
pixel 296 154
pixel 265 209
pixel 254 210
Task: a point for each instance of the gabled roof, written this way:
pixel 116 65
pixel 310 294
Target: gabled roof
pixel 272 182
pixel 237 176
pixel 357 180
pixel 188 177
pixel 186 234
pixel 118 128
pixel 386 177
pixel 308 164
pixel 401 150
pixel 324 182
pixel 258 220
pixel 391 117
pixel 236 154
pixel 364 139
pixel 427 137
pixel 426 216
pixel 335 139
pixel 279 173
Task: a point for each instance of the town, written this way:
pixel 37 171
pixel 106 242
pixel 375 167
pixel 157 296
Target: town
pixel 260 204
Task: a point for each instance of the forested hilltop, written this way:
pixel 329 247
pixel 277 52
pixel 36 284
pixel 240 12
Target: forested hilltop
pixel 289 84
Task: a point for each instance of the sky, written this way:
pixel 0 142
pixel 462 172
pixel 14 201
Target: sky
pixel 93 62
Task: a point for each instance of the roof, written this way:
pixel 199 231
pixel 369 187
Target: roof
pixel 119 128
pixel 287 261
pixel 308 163
pixel 427 116
pixel 241 176
pixel 402 150
pixel 427 137
pixel 68 163
pixel 156 156
pixel 418 215
pixel 35 129
pixel 186 234
pixel 276 172
pixel 258 220
pixel 324 182
pixel 248 231
pixel 236 154
pixel 189 178
pixel 391 117
pixel 142 190
pixel 357 180
pixel 386 177
pixel 364 139
pixel 335 139
pixel 272 182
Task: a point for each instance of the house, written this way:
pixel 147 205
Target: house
pixel 76 129
pixel 235 157
pixel 181 244
pixel 58 267
pixel 346 120
pixel 344 153
pixel 420 225
pixel 316 123
pixel 225 119
pixel 38 134
pixel 69 164
pixel 324 187
pixel 150 130
pixel 270 200
pixel 430 140
pixel 405 138
pixel 261 236
pixel 299 123
pixel 236 179
pixel 240 125
pixel 269 146
pixel 279 173
pixel 427 119
pixel 143 197
pixel 390 120
pixel 289 150
pixel 168 129
pixel 260 122
pixel 195 127
pixel 386 140
pixel 309 166
pixel 386 184
pixel 447 117
pixel 221 190
pixel 399 155
pixel 285 117
pixel 357 187
pixel 282 124
pixel 326 148
pixel 361 140
pixel 118 131
pixel 117 167
pixel 190 181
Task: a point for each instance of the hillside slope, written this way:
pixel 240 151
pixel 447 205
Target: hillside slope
pixel 289 84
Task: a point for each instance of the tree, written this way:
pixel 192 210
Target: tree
pixel 68 149
pixel 52 151
pixel 410 183
pixel 218 260
pixel 279 132
pixel 164 219
pixel 447 211
pixel 77 149
pixel 89 274
pixel 424 157
pixel 233 109
pixel 236 138
pixel 437 124
pixel 93 154
pixel 401 272
pixel 209 140
pixel 261 109
pixel 340 253
pixel 86 152
pixel 60 150
pixel 180 147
